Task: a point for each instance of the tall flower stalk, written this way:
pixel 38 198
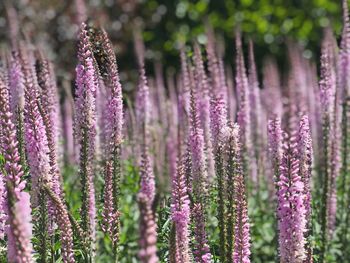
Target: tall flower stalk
pixel 85 131
pixel 112 125
pixel 49 99
pixel 42 160
pixel 17 202
pixel 305 170
pixel 3 198
pixel 275 142
pixel 218 116
pixel 180 214
pixel 291 212
pixel 241 251
pixel 199 185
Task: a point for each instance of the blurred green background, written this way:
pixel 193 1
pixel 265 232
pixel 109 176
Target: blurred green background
pixel 168 23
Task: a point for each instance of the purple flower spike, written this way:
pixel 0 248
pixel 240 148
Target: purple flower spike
pixel 3 201
pixel 35 133
pixel 305 171
pixel 218 123
pixel 114 123
pixel 241 250
pixel 147 184
pixel 275 146
pixel 49 98
pixel 291 209
pixel 201 251
pixel 110 217
pixel 16 203
pixel 85 128
pixel 199 185
pixel 196 140
pixel 305 158
pixel 180 213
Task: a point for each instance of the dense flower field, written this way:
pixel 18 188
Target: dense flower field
pixel 207 164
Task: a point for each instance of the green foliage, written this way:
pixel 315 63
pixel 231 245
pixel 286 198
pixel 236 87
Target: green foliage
pixel 263 227
pixel 269 22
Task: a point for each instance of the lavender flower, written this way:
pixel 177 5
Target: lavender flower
pixel 231 162
pixel 54 170
pixel 16 93
pixel 241 252
pixel 218 123
pixel 305 159
pixel 112 123
pixel 147 184
pixel 37 148
pixel 17 202
pixel 199 185
pixel 9 147
pixel 275 146
pixel 202 251
pixel 291 210
pixel 41 152
pixel 85 129
pixel 50 100
pixel 110 216
pixel 305 170
pixel 148 231
pixel 3 216
pixel 35 133
pixel 180 214
pixel 196 140
pixel 218 115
